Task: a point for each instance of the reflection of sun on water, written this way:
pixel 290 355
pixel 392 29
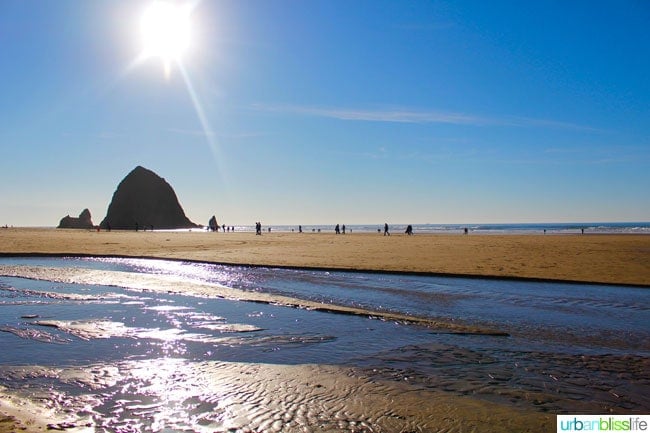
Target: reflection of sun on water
pixel 177 397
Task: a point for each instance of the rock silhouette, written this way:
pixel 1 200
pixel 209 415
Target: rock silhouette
pixel 212 224
pixel 84 221
pixel 145 200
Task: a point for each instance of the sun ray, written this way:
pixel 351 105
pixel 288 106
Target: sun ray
pixel 158 30
pixel 200 113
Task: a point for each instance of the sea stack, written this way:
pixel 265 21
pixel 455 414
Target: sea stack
pixel 84 221
pixel 144 200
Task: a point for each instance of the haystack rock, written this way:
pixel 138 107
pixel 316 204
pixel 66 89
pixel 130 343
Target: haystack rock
pixel 84 221
pixel 144 200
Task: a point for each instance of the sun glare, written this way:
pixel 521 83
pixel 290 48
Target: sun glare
pixel 165 31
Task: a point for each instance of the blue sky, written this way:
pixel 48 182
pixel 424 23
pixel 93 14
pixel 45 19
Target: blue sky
pixel 324 112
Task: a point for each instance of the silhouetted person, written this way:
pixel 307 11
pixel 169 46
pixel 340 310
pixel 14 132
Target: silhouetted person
pixel 337 230
pixel 258 228
pixel 299 229
pixel 386 232
pixel 343 228
pixel 409 230
pixel 465 230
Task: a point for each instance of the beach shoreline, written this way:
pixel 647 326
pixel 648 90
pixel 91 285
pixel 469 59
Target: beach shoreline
pixel 621 259
pixel 408 397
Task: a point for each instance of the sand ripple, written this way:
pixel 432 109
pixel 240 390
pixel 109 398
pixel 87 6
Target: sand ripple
pixel 551 382
pixel 177 395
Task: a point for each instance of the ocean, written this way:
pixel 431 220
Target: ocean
pixel 511 228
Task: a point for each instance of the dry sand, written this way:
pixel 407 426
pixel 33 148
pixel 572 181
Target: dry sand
pixel 598 258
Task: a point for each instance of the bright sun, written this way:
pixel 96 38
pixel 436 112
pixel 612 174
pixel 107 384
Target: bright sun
pixel 165 31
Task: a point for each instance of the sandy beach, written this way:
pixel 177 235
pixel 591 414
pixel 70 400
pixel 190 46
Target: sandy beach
pixel 593 258
pixel 488 387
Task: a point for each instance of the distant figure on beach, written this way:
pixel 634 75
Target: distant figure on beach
pixel 379 230
pixel 409 230
pixel 343 229
pixel 258 228
pixel 582 231
pixel 386 232
pixel 465 230
pixel 337 230
pixel 269 229
pixel 299 229
pixel 137 226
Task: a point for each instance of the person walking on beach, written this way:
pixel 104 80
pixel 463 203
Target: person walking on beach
pixel 343 228
pixel 409 230
pixel 258 228
pixel 386 232
pixel 337 230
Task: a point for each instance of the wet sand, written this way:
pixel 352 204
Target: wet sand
pixel 227 397
pixel 594 258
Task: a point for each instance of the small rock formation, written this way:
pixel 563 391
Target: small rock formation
pixel 144 200
pixel 84 221
pixel 213 225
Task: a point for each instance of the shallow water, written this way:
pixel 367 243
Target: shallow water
pixel 571 347
pixel 590 318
